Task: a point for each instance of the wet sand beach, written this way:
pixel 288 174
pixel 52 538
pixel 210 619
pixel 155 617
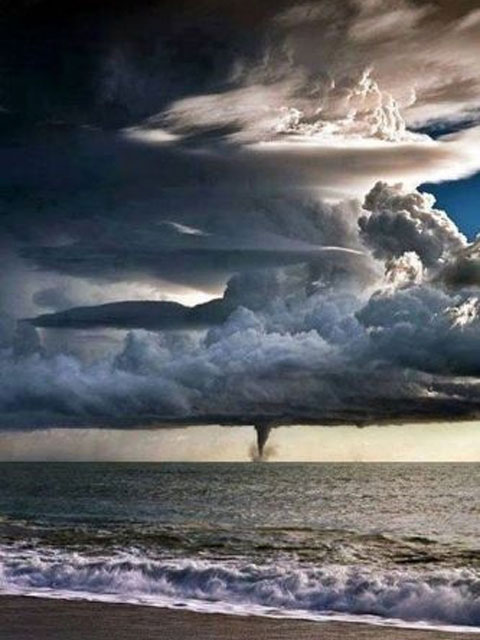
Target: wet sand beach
pixel 28 618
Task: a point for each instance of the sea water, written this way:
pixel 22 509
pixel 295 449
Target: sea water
pixel 394 544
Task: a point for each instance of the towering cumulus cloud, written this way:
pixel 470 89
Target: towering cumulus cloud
pixel 213 213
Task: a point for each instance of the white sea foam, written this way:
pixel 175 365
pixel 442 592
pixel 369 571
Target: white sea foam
pixel 448 599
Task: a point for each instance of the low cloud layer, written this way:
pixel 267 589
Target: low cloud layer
pixel 327 343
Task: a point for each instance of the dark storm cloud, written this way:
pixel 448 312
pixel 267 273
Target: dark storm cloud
pixel 95 206
pixel 283 345
pixel 224 147
pixel 251 289
pixel 326 357
pixel 194 266
pixel 464 272
pixel 113 63
pixel 423 328
pixel 137 315
pixel 52 298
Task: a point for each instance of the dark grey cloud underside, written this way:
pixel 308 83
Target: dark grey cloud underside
pixel 380 411
pixel 183 265
pixel 138 315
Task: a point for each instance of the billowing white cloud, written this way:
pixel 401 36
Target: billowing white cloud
pixel 337 93
pixel 401 222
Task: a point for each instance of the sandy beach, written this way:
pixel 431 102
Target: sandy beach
pixel 25 618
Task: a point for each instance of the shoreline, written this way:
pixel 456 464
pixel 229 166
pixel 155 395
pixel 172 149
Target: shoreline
pixel 31 617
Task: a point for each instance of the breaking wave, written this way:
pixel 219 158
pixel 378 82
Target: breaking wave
pixel 448 599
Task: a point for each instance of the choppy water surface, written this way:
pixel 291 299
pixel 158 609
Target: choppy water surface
pixel 381 543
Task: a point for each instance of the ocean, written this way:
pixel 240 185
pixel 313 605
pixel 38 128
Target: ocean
pixel 384 544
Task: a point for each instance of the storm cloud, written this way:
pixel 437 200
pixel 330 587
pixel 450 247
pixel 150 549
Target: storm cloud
pixel 211 213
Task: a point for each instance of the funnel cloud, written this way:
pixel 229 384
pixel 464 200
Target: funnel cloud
pixel 263 431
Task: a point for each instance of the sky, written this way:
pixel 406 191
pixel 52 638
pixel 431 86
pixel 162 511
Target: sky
pixel 433 442
pixel 460 199
pixel 245 213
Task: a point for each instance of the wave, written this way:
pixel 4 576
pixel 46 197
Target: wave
pixel 449 598
pixel 259 544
